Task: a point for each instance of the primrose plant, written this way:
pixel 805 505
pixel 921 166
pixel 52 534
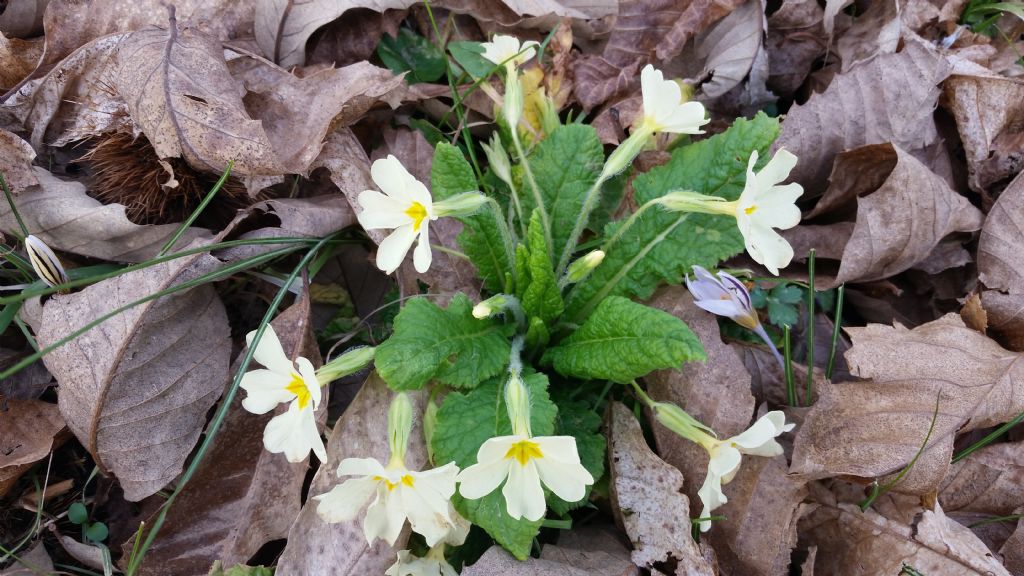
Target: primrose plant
pixel 514 437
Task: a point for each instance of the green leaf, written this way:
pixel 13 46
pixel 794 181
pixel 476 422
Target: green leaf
pixel 450 346
pixel 77 513
pixel 565 165
pixel 469 55
pixel 240 570
pixel 481 237
pixel 578 420
pixel 541 297
pixel 412 53
pixel 97 532
pixel 624 340
pixel 464 423
pixel 788 294
pixel 662 246
pixel 781 314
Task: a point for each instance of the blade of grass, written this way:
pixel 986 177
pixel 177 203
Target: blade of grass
pixel 222 410
pixel 787 355
pixel 879 490
pixel 836 327
pixel 208 277
pixel 995 519
pixel 199 209
pixel 989 438
pixel 14 209
pixel 810 326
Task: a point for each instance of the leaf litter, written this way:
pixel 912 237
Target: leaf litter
pixel 906 119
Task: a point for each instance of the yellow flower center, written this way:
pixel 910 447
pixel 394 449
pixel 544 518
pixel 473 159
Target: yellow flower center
pixel 298 387
pixel 750 210
pixel 406 479
pixel 417 212
pixel 523 451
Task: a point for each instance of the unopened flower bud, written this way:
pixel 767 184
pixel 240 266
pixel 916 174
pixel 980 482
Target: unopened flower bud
pixel 625 153
pixel 350 362
pixel 399 427
pixel 679 421
pixel 45 262
pixel 490 307
pixel 689 201
pixel 517 402
pixel 498 159
pixel 463 204
pixel 582 267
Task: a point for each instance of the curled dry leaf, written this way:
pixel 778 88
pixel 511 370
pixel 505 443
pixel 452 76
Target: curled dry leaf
pixel 61 214
pixel 876 31
pixel 600 555
pixel 284 26
pixel 22 18
pixel 315 547
pixel 989 113
pixel 648 501
pixel 135 389
pixel 31 563
pixel 19 58
pixel 87 554
pixel 1005 314
pixel 242 496
pixel 873 429
pixel 27 432
pixel 730 48
pixel 903 211
pixel 987 481
pixel 314 217
pixel 890 99
pixel 796 39
pixel 16 157
pixel 855 543
pixel 1001 244
pixel 1012 550
pixel 973 314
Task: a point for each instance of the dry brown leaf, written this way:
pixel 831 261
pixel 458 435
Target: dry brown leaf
pixel 298 112
pixel 315 547
pixel 1012 550
pixel 284 26
pixel 22 18
pixel 729 48
pixel 33 562
pixel 796 39
pixel 611 559
pixel 61 214
pixel 999 249
pixel 19 58
pixel 903 211
pixel 242 496
pixel 987 481
pixel 973 313
pixel 648 500
pixel 314 217
pixel 890 99
pixel 855 543
pixel 87 554
pixel 136 388
pixel 1005 318
pixel 989 112
pixel 27 432
pixel 16 157
pixel 876 31
pixel 873 429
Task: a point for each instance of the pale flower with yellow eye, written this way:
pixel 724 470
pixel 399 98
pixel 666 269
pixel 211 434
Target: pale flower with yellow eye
pixel 764 205
pixel 294 432
pixel 404 206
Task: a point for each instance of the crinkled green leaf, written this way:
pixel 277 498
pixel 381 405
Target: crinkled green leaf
pixel 578 420
pixel 481 237
pixel 565 165
pixel 412 53
pixel 622 341
pixel 788 294
pixel 450 346
pixel 464 422
pixel 469 55
pixel 541 297
pixel 240 570
pixel 662 246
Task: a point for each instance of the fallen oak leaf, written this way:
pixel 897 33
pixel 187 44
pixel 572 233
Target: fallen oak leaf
pixel 873 429
pixel 135 389
pixel 28 430
pixel 555 560
pixel 730 47
pixel 987 481
pixel 1001 243
pixel 648 501
pixel 16 158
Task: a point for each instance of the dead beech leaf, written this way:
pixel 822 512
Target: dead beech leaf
pixel 796 39
pixel 136 388
pixel 298 112
pixel 242 496
pixel 1001 243
pixel 61 214
pixel 987 481
pixel 876 31
pixel 903 211
pixel 973 313
pixel 27 432
pixel 1005 314
pixel 648 501
pixel 1012 550
pixel 730 48
pixel 315 547
pixel 33 562
pixel 19 58
pixel 890 99
pixel 873 429
pixel 989 113
pixel 16 157
pixel 87 554
pixel 855 543
pixel 283 26
pixel 314 217
pixel 22 18
pixel 556 560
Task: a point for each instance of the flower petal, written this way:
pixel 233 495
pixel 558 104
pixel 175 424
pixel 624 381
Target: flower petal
pixel 269 352
pixel 440 481
pixel 309 378
pixel 391 176
pixel 777 208
pixel 375 523
pixel 395 517
pixel 264 389
pixel 422 256
pixel 768 248
pixel 524 497
pixel 728 308
pixel 777 169
pixel 380 211
pixel 482 478
pixel 568 480
pixel 361 467
pixel 685 119
pixel 344 501
pixel 428 513
pixel 393 249
pixel 759 439
pixel 292 433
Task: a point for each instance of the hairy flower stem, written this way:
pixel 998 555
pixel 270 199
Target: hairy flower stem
pixel 538 198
